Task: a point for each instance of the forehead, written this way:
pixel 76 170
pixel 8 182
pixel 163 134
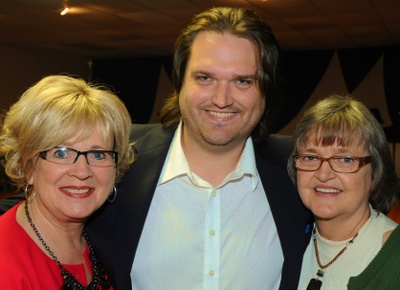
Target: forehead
pixel 91 135
pixel 223 51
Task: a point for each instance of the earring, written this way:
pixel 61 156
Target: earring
pixel 113 195
pixel 29 197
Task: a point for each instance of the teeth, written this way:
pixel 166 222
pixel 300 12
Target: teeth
pixel 327 190
pixel 76 191
pixel 221 115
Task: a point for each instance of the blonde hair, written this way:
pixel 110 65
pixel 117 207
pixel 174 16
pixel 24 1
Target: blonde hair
pixel 54 110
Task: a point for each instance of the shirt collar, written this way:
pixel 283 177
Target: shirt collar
pixel 176 164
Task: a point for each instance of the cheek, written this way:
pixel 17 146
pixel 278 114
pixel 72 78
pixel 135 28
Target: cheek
pixel 367 183
pixel 184 99
pixel 261 109
pixel 303 180
pixel 106 178
pixel 46 174
pixel 257 103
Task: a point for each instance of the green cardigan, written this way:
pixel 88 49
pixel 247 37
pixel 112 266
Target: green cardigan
pixel 383 273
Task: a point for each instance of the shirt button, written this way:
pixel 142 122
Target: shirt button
pixel 214 194
pixel 211 272
pixel 212 233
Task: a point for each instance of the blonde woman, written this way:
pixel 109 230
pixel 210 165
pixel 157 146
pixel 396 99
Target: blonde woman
pixel 66 143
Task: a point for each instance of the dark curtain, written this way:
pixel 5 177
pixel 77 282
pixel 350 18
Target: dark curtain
pixel 356 63
pixel 391 72
pixel 301 71
pixel 134 81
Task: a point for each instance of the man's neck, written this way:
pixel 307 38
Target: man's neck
pixel 212 163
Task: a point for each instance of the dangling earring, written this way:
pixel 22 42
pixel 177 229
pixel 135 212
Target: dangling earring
pixel 28 197
pixel 113 195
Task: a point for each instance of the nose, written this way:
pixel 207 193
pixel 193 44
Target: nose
pixel 223 94
pixel 325 172
pixel 81 168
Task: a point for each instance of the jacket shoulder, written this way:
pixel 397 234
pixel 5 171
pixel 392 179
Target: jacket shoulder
pixel 140 130
pixel 275 148
pixel 150 136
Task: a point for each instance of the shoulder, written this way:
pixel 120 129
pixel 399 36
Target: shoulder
pixel 8 223
pixel 275 142
pixel 140 130
pixel 15 246
pixel 143 131
pixel 383 271
pixel 8 202
pixel 149 136
pixel 274 148
pixel 394 235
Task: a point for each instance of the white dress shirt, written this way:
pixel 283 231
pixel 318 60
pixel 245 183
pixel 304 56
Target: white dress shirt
pixel 199 237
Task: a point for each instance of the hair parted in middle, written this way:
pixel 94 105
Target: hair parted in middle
pixel 242 23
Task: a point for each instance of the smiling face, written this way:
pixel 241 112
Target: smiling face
pixel 332 195
pixel 220 99
pixel 72 191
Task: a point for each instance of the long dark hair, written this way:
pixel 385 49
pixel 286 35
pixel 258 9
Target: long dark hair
pixel 240 22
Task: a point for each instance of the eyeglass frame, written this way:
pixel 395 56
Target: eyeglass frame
pixel 362 162
pixel 114 155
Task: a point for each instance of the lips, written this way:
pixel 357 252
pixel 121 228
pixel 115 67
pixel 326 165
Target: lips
pixel 221 115
pixel 327 190
pixel 77 192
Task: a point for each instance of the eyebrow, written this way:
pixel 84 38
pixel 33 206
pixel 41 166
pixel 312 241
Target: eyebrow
pixel 246 77
pixel 202 72
pixel 235 77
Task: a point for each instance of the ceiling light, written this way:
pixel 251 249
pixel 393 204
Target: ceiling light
pixel 65 11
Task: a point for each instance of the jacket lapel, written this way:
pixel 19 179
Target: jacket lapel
pixel 289 214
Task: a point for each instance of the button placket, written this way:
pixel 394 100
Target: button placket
pixel 212 241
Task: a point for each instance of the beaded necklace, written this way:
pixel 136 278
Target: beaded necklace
pixel 69 281
pixel 316 283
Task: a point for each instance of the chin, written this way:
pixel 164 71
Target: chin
pixel 323 212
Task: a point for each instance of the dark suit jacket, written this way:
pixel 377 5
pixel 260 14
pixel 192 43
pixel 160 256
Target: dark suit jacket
pixel 115 229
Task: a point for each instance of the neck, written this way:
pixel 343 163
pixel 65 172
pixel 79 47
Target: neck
pixel 212 163
pixel 340 229
pixel 64 239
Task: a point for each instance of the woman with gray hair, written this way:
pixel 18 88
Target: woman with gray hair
pixel 342 166
pixel 66 143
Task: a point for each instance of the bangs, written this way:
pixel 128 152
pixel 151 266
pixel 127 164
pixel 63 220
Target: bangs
pixel 341 134
pixel 329 125
pixel 78 116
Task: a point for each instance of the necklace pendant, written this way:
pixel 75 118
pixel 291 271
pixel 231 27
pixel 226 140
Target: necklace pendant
pixel 314 284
